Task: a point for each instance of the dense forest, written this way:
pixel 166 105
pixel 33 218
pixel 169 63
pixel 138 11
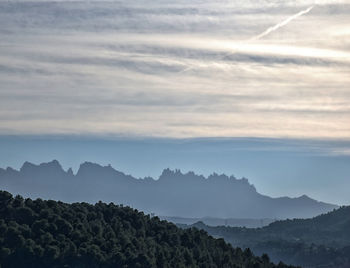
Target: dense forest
pixel 323 241
pixel 38 233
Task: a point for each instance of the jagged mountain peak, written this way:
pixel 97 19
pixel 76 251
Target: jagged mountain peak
pixel 174 193
pixel 53 166
pixel 70 172
pixel 218 176
pixel 88 164
pixel 95 171
pixel 26 166
pixel 304 197
pixel 177 176
pixel 148 179
pixel 10 169
pixel 93 167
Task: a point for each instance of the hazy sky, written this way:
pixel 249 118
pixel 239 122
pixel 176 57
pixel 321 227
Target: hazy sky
pixel 182 69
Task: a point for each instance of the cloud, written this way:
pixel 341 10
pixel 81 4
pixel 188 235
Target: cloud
pixel 115 67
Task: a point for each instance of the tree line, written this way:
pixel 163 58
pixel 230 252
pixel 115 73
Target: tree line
pixel 39 233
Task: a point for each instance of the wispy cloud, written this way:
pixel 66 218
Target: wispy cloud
pixel 116 67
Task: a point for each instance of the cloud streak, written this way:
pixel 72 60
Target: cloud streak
pixel 283 23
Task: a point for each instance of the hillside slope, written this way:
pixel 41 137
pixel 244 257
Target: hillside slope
pixel 37 233
pixel 323 240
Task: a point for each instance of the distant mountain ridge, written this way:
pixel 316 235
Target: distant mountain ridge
pixel 228 222
pixel 174 193
pixel 322 241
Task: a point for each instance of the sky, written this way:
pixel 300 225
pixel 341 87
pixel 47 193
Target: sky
pixel 176 69
pixel 179 70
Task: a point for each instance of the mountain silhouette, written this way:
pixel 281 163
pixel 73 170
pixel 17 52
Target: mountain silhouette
pixel 173 194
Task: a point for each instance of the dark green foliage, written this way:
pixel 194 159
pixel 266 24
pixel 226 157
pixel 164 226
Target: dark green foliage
pixel 321 241
pixel 37 233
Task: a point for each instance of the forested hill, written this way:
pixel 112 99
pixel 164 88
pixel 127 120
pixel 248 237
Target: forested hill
pixel 321 241
pixel 331 229
pixel 37 233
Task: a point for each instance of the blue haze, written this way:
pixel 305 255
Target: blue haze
pixel 277 167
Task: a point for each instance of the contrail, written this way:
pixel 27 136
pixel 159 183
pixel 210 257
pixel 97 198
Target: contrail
pixel 268 31
pixel 283 23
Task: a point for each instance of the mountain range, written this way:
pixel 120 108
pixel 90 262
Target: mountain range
pixel 173 194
